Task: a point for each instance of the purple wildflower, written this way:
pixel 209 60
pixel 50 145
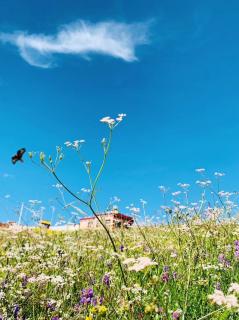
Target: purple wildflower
pixel 121 248
pixel 87 296
pixel 106 280
pixel 24 281
pixel 237 249
pixel 16 311
pixel 94 302
pixel 218 286
pixel 165 277
pixel 176 314
pixel 223 260
pixel 166 268
pixel 227 263
pixel 51 306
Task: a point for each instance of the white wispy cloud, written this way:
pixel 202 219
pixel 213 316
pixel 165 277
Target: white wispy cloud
pixel 81 38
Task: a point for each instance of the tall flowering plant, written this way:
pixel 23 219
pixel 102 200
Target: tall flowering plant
pixel 51 165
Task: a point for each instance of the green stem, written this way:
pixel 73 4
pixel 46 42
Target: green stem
pixel 102 224
pixel 211 313
pixel 106 151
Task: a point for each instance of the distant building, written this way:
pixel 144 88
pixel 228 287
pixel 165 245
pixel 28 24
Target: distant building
pixel 7 225
pixel 112 219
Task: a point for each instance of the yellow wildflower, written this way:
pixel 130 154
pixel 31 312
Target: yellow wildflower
pixel 150 308
pixel 102 310
pixel 93 310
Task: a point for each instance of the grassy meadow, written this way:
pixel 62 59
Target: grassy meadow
pixel 187 271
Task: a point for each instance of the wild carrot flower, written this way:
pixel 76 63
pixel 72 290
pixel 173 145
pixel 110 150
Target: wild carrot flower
pixel 229 301
pixel 139 264
pixel 108 121
pixel 234 287
pixel 204 183
pixel 219 174
pixel 184 185
pixel 217 297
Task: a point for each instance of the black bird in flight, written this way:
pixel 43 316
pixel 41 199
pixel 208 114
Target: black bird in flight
pixel 18 156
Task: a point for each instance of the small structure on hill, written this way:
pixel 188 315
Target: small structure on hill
pixel 7 225
pixel 112 219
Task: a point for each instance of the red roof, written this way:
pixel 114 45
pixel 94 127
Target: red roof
pixel 123 217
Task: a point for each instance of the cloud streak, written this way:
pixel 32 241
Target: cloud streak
pixel 118 40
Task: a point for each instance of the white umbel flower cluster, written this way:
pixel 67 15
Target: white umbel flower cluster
pixel 139 264
pixel 113 122
pixel 229 301
pixel 75 144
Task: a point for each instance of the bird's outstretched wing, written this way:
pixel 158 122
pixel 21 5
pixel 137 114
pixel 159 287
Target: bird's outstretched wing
pixel 14 159
pixel 18 156
pixel 21 152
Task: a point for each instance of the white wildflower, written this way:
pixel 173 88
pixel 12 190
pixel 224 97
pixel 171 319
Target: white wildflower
pixel 217 297
pixel 204 184
pixel 108 120
pixel 176 193
pixel 184 185
pixel 229 301
pixel 134 210
pixel 234 287
pixel 219 174
pixel 68 144
pixel 139 263
pixel 2 295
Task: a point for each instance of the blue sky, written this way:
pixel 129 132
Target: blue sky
pixel 172 67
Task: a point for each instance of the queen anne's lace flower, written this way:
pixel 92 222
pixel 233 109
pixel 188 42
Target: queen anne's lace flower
pixel 113 122
pixel 234 287
pixel 139 263
pixel 229 301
